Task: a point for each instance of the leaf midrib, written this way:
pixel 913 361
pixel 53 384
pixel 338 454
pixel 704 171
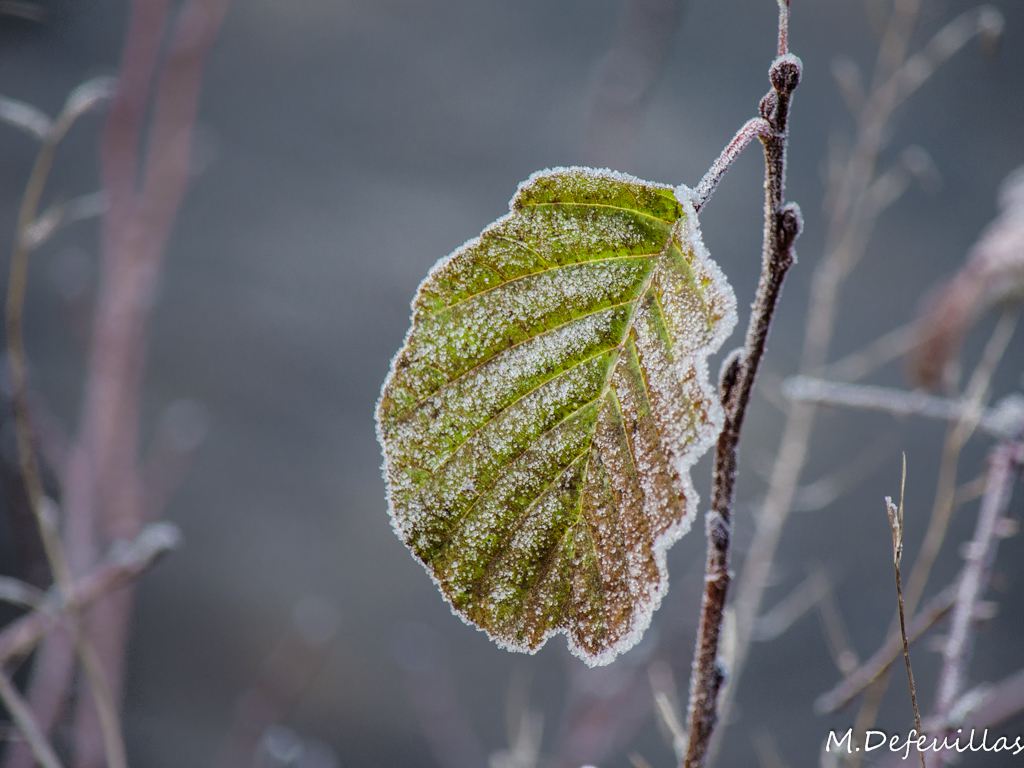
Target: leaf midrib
pixel 554 268
pixel 635 301
pixel 589 442
pixel 575 204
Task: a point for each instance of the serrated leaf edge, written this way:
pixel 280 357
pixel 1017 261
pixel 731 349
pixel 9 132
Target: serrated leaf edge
pixel 690 233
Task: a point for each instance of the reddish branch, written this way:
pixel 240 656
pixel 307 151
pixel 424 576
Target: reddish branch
pixel 781 227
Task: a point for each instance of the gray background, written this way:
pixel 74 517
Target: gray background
pixel 345 145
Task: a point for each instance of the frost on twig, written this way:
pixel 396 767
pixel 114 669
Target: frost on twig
pixel 1002 420
pixel 61 215
pixel 25 117
pixel 782 224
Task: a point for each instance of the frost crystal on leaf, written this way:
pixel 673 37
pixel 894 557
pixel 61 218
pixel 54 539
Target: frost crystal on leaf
pixel 540 421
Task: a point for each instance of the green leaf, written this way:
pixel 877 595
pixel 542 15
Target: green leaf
pixel 540 421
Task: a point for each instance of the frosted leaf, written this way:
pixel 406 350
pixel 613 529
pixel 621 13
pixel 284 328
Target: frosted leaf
pixel 541 419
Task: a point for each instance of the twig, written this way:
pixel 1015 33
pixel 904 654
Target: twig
pixel 1001 422
pixel 847 238
pixel 836 633
pixel 998 702
pixel 19 593
pixel 25 117
pixel 821 492
pixel 861 362
pixel 781 226
pixel 80 101
pixel 976 393
pixel 783 47
pixel 1005 464
pixel 58 216
pixel 108 399
pixel 846 185
pixel 986 706
pixel 123 565
pixel 983 20
pixel 23 718
pixel 934 611
pixel 777 620
pixel 895 513
pixel 23 10
pixel 767 750
pixel 144 178
pixel 754 128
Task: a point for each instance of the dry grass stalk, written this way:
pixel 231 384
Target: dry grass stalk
pixel 896 520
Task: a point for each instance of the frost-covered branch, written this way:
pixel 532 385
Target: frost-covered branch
pixel 782 224
pixel 1003 420
pixel 754 128
pixel 852 209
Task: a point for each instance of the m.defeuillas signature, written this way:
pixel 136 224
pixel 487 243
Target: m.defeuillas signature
pixel 959 741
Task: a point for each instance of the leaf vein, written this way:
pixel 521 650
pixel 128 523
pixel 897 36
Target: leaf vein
pixel 575 204
pixel 535 273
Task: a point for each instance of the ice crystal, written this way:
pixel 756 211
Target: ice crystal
pixel 541 419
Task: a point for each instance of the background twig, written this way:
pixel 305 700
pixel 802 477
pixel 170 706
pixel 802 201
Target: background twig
pixel 1005 464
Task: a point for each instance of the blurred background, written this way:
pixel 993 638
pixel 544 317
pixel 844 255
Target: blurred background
pixel 340 149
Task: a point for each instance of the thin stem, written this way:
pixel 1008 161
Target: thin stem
pixel 898 402
pixel 896 523
pixel 17 285
pixel 145 174
pixel 755 128
pixel 781 227
pixel 846 241
pixel 957 436
pixel 986 706
pixel 906 659
pixel 23 718
pixel 976 394
pixel 1005 464
pixel 80 101
pixel 934 611
pixel 783 47
pixel 124 564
